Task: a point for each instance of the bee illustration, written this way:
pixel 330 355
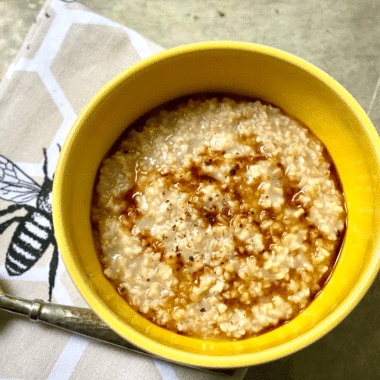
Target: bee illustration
pixel 34 232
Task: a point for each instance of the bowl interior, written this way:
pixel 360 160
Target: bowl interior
pixel 276 77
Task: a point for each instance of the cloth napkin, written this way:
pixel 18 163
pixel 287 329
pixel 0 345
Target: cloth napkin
pixel 68 55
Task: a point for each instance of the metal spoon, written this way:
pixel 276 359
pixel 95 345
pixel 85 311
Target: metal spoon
pixel 77 320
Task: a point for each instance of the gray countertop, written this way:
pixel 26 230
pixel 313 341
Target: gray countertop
pixel 342 37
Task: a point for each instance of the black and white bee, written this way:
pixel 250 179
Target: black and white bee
pixel 34 232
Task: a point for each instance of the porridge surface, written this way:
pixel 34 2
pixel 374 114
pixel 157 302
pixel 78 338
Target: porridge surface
pixel 220 219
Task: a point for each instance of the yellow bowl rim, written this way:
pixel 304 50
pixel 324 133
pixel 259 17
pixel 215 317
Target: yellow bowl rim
pixel 167 352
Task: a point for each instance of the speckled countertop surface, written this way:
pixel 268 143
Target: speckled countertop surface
pixel 341 37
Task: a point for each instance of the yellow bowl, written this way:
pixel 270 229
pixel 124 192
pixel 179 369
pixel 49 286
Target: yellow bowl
pixel 289 82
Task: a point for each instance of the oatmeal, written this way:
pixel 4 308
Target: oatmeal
pixel 219 219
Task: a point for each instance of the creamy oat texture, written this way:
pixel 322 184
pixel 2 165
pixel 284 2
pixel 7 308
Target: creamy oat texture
pixel 221 219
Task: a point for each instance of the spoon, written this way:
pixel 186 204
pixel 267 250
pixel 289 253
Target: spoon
pixel 77 320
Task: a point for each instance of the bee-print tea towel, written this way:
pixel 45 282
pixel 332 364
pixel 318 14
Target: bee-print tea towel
pixel 68 55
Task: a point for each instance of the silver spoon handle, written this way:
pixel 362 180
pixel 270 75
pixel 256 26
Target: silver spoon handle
pixel 75 319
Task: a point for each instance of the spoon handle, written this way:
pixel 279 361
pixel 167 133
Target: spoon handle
pixel 75 319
